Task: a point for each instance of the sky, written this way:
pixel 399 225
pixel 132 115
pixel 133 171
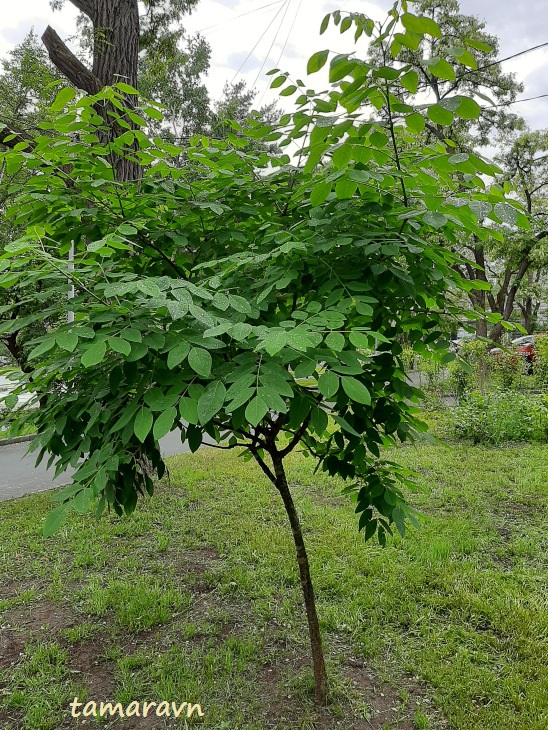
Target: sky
pixel 249 37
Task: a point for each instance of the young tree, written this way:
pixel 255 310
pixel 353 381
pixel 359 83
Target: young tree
pixel 272 316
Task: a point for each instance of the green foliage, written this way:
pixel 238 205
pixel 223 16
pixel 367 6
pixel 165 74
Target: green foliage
pixel 540 369
pixel 228 298
pixel 501 416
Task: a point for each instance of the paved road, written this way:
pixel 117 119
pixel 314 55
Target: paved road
pixel 19 476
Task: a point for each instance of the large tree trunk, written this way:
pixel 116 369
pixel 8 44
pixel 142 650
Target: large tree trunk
pixel 115 56
pixel 320 674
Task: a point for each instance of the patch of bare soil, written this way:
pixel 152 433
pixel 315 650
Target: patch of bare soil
pixel 11 646
pixel 382 705
pixel 39 617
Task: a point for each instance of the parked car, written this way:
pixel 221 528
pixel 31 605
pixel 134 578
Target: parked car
pixel 523 346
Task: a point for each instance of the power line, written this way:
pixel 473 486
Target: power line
pixel 502 60
pixel 236 17
pixel 284 45
pixel 287 4
pixel 289 34
pixel 517 101
pixel 260 39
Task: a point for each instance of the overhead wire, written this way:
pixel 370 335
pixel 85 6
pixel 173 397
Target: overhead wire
pixel 260 39
pixel 242 15
pixel 292 27
pixel 287 5
pixel 502 60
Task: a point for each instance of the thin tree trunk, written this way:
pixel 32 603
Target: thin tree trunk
pixel 320 674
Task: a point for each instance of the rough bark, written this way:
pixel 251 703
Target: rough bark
pixel 320 674
pixel 115 56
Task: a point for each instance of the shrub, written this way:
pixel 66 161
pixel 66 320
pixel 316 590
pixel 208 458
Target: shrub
pixel 500 416
pixel 540 370
pixel 459 380
pixel 508 369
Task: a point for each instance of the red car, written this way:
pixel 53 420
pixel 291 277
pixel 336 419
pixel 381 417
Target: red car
pixel 525 346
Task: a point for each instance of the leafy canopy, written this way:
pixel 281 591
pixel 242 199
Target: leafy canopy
pixel 259 300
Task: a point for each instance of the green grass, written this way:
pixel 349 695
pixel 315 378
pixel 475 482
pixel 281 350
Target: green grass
pixel 196 598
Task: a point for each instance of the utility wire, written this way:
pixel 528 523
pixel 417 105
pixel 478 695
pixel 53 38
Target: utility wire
pixel 287 4
pixel 502 60
pixel 249 12
pixel 517 101
pixel 284 46
pixel 256 44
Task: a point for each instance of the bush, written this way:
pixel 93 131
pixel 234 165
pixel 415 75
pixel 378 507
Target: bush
pixel 540 369
pixel 508 369
pixel 501 416
pixel 459 380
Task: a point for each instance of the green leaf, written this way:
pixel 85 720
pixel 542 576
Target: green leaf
pixel 275 341
pixel 415 122
pixel 436 220
pixel 194 437
pixel 62 99
pixel 328 384
pixel 42 348
pixel 200 361
pixel 177 354
pixel 442 69
pixel 278 81
pixel 468 108
pixel 289 90
pixel 68 341
pixel 142 424
pixel 439 115
pixel 410 81
pixel 153 113
pixel 325 23
pixel 335 341
pixel 320 193
pixel 126 88
pixel 188 408
pixel 256 410
pixel 164 423
pixel 54 520
pixel 479 45
pixel 421 25
pixel 94 354
pixel 211 401
pixel 346 24
pixel 345 188
pixel 119 345
pixel 317 61
pixel 356 390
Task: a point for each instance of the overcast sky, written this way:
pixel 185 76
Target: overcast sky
pixel 235 28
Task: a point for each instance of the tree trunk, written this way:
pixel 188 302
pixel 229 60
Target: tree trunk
pixel 320 674
pixel 115 57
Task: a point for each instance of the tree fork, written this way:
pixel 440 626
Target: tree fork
pixel 320 674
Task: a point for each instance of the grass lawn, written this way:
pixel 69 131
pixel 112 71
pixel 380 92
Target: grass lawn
pixel 196 598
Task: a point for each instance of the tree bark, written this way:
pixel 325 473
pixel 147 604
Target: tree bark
pixel 320 674
pixel 115 57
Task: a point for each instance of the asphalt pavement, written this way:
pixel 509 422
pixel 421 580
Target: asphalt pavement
pixel 19 475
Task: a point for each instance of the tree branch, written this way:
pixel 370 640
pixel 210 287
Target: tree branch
pixel 85 6
pixel 68 64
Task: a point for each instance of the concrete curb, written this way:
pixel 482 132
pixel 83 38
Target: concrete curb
pixel 17 440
